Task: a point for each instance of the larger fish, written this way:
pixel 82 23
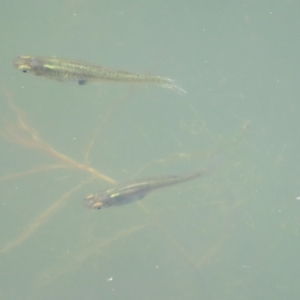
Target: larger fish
pixel 71 70
pixel 131 191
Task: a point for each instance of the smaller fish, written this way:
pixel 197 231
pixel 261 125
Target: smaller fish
pixel 134 190
pixel 61 69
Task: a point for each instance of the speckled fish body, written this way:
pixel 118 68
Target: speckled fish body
pixel 131 191
pixel 71 70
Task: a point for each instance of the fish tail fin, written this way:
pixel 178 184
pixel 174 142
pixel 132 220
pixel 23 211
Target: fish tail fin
pixel 169 84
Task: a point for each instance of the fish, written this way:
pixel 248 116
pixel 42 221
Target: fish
pixel 131 191
pixel 65 70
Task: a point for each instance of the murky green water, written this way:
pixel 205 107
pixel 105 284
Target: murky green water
pixel 233 234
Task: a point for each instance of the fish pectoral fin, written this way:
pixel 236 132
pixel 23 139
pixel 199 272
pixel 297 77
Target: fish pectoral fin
pixel 81 81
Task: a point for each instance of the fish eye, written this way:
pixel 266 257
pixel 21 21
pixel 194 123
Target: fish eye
pixel 24 68
pixel 97 205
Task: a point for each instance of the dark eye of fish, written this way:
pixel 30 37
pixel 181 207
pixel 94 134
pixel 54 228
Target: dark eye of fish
pixel 97 205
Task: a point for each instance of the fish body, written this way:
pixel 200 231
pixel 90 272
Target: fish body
pixel 131 191
pixel 71 70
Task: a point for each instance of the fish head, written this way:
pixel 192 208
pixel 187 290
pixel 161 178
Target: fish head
pixel 92 202
pixel 22 64
pixel 28 64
